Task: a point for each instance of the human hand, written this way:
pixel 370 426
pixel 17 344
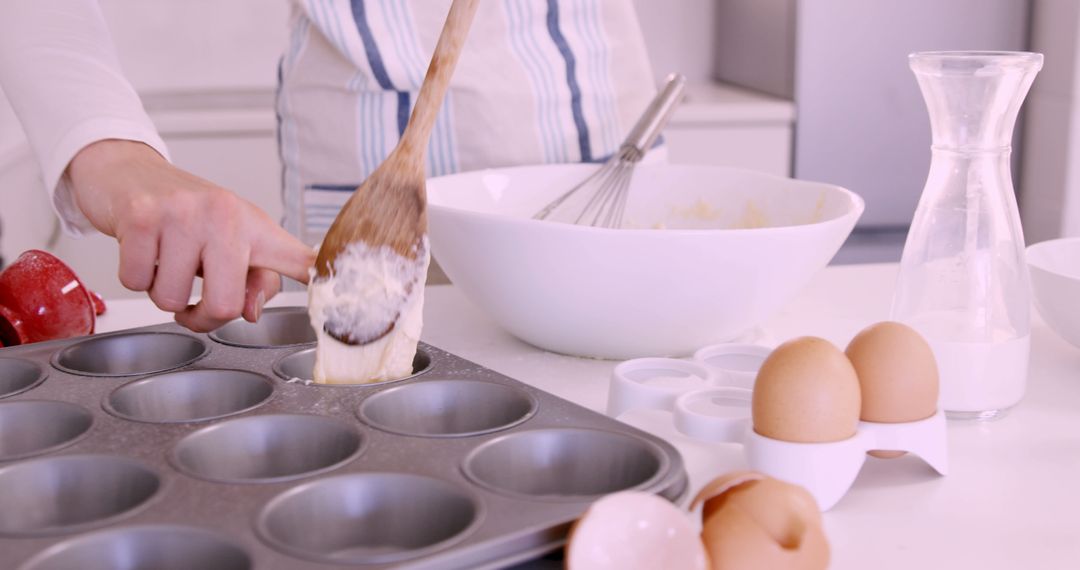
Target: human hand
pixel 173 226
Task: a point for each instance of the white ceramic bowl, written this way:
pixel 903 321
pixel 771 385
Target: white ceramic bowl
pixel 736 246
pixel 1055 279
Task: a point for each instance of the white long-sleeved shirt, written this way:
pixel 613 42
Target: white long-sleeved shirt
pixel 60 75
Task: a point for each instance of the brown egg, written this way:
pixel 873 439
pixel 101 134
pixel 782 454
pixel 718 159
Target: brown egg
pixel 806 392
pixel 754 521
pixel 897 374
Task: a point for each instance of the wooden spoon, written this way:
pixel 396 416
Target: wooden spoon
pixel 390 207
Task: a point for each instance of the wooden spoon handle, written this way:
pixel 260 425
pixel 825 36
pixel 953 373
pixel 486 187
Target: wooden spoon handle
pixel 455 30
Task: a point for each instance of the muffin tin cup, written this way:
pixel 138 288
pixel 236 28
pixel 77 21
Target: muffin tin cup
pixel 160 547
pixel 267 448
pixel 194 433
pixel 447 408
pixel 721 413
pixel 189 396
pixel 369 518
pixel 277 327
pixel 129 354
pixel 298 366
pixel 563 464
pixel 34 427
pixel 18 375
pixel 72 493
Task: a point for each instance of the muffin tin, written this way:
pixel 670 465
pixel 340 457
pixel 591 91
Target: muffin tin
pixel 160 448
pixel 710 398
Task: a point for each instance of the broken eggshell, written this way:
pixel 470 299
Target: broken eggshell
pixel 753 521
pixel 632 530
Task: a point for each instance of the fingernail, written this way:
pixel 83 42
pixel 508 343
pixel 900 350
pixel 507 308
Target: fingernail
pixel 260 299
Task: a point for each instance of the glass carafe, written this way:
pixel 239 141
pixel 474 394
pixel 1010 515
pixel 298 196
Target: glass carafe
pixel 963 279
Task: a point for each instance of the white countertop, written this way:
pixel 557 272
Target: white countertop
pixel 1011 500
pixel 716 102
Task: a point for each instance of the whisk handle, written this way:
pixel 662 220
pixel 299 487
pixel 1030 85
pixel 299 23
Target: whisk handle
pixel 656 115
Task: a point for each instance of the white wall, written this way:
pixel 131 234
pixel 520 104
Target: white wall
pixel 190 45
pixel 679 36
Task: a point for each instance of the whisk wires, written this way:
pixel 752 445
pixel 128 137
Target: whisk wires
pixel 607 189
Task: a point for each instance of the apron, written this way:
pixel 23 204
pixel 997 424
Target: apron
pixel 538 82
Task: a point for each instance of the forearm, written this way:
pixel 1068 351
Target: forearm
pixel 60 72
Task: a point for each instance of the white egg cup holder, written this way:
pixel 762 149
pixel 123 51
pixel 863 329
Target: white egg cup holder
pixel 710 397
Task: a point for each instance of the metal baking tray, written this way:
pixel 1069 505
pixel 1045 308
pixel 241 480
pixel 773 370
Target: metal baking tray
pixel 160 448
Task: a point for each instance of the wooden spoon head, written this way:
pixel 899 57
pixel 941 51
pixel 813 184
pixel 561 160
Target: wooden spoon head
pixel 388 209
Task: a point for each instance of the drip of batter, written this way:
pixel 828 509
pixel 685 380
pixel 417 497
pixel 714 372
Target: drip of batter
pixel 369 290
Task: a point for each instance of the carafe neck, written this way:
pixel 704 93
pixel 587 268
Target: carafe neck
pixel 973 98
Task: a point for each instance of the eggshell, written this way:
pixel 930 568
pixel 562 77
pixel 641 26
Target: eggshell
pixel 806 392
pixel 717 487
pixel 753 521
pixel 634 531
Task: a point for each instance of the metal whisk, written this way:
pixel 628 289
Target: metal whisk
pixel 607 188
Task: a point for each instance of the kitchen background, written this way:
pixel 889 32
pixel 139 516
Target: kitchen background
pixel 816 89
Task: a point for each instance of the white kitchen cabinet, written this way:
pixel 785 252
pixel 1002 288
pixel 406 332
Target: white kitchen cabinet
pixel 729 126
pixel 717 123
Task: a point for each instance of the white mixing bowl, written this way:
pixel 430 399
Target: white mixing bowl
pixel 735 246
pixel 1055 279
